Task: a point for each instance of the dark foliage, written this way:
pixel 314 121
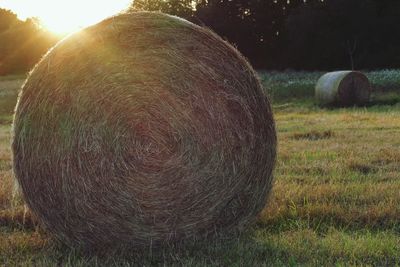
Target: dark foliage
pixel 273 34
pixel 356 34
pixel 299 34
pixel 22 43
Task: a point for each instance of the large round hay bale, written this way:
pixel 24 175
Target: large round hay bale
pixel 142 130
pixel 343 88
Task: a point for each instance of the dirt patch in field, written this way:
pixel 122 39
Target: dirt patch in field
pixel 363 168
pixel 388 159
pixel 313 135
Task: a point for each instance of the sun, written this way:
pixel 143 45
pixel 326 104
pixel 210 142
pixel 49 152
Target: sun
pixel 66 16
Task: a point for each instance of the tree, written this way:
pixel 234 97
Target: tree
pixel 7 19
pixel 330 34
pixel 22 43
pixel 182 8
pixel 273 34
pixel 252 25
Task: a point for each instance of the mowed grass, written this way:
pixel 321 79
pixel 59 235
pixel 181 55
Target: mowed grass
pixel 336 198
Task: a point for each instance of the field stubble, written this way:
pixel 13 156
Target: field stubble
pixel 335 199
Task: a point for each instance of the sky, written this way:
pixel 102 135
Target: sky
pixel 64 16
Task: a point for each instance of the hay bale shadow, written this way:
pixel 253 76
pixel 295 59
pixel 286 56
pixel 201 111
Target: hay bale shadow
pixel 242 250
pixel 19 219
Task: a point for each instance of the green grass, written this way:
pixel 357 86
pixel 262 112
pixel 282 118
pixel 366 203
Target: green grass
pixel 336 198
pixel 298 87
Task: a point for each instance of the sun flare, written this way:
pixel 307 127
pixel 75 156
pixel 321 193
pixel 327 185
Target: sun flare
pixel 65 16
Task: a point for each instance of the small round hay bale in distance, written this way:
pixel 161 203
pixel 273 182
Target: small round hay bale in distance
pixel 142 130
pixel 343 88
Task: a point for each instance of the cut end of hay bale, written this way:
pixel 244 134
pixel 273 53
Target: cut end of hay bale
pixel 142 130
pixel 343 88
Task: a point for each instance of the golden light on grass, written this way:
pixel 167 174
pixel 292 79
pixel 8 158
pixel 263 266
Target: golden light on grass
pixel 65 16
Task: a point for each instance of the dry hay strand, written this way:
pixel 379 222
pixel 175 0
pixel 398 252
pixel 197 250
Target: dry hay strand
pixel 343 88
pixel 143 130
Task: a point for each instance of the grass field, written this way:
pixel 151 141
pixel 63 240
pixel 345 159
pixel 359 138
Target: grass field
pixel 336 198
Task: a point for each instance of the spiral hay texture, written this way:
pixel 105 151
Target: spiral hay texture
pixel 343 88
pixel 143 130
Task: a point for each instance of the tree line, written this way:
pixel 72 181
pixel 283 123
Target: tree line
pixel 300 34
pixel 272 34
pixel 22 43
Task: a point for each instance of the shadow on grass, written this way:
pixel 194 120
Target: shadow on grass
pixel 242 251
pixel 17 219
pixel 378 101
pixel 40 249
pixel 384 102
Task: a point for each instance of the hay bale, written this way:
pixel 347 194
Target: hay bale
pixel 343 88
pixel 142 130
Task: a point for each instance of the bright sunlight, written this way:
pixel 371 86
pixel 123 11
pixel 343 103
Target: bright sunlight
pixel 65 16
